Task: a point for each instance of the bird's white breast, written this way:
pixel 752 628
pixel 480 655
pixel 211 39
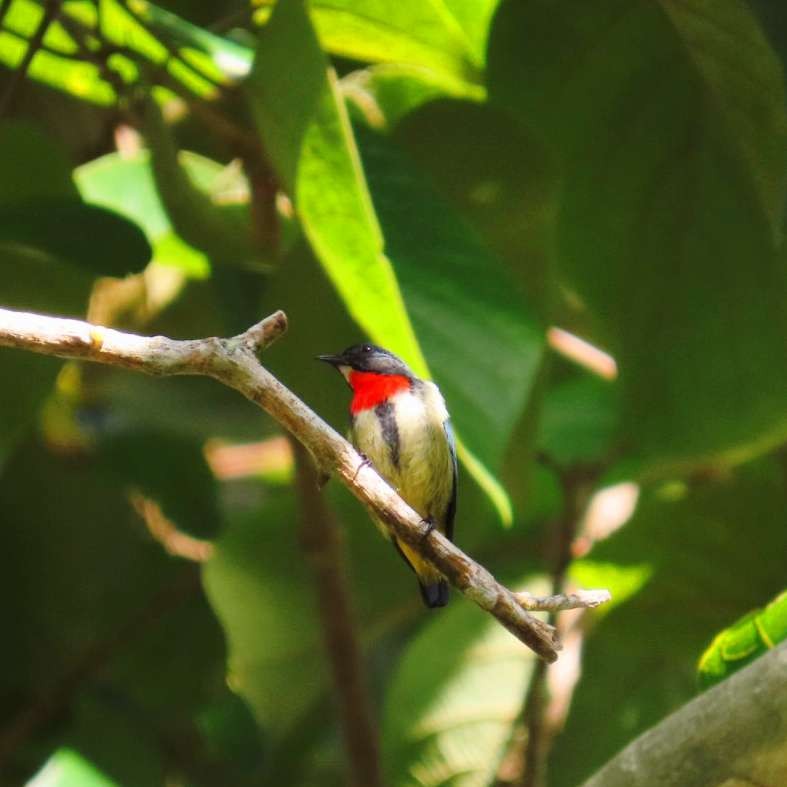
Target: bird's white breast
pixel 424 473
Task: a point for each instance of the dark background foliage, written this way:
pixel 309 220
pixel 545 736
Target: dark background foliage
pixel 455 180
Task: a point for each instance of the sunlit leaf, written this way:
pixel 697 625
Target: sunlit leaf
pixel 452 701
pixel 66 768
pixel 447 37
pixel 743 641
pixel 125 184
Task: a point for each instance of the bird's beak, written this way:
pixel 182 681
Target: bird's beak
pixel 333 360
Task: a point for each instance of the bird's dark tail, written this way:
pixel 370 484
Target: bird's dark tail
pixel 434 594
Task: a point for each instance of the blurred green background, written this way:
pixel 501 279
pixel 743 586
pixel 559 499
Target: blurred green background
pixel 569 213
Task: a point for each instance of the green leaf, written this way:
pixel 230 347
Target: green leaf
pixel 42 216
pixel 259 586
pixel 223 232
pixel 97 597
pixel 453 700
pixel 743 641
pixel 171 469
pixel 66 768
pixel 56 65
pixel 501 178
pixel 125 185
pixel 34 165
pixel 445 37
pixel 674 560
pixel 386 93
pixel 671 132
pixel 311 144
pixel 145 37
pixel 482 342
pixel 80 235
pixel 579 420
pixel 35 168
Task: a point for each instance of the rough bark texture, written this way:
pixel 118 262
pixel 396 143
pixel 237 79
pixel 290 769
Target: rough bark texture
pixel 733 735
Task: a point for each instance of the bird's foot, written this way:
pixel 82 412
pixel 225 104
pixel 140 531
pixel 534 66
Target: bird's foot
pixel 365 462
pixel 430 526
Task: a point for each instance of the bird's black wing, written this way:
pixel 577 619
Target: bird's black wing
pixel 450 512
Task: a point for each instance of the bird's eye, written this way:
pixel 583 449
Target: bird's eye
pixel 367 348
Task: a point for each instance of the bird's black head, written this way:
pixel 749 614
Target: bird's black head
pixel 368 358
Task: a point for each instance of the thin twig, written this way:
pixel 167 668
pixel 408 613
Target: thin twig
pixel 321 541
pixel 51 10
pixel 234 363
pixel 578 599
pixel 575 483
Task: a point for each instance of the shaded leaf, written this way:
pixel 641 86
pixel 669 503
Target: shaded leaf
pixel 171 469
pixel 481 340
pixel 34 165
pixel 125 184
pixel 682 552
pixel 258 585
pixel 81 235
pixel 579 420
pixel 664 196
pixel 97 598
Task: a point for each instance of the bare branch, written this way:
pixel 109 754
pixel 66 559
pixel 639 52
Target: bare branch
pixel 233 362
pixel 321 541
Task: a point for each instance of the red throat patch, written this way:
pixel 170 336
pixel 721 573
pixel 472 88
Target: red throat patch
pixel 370 389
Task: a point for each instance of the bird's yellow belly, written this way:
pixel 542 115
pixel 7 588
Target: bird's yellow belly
pixel 423 473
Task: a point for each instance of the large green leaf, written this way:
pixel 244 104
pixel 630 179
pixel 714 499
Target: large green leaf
pixel 259 586
pixel 101 610
pixel 34 165
pixel 453 700
pixel 125 184
pixel 501 178
pixel 447 37
pixel 482 341
pixel 312 147
pixel 83 236
pixel 672 134
pixel 696 559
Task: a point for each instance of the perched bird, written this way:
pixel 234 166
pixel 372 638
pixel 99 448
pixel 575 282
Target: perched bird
pixel 400 424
